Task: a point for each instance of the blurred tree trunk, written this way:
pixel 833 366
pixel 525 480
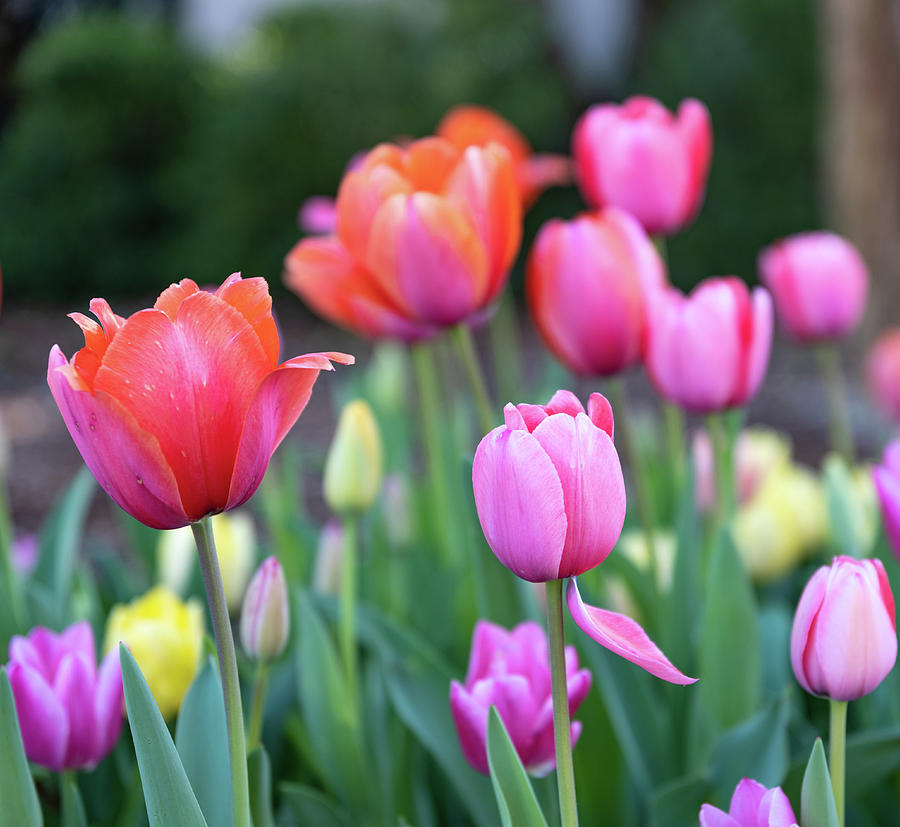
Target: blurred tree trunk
pixel 861 73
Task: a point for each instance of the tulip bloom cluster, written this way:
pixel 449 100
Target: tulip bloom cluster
pixel 752 805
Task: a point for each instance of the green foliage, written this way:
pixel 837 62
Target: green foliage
pixel 18 799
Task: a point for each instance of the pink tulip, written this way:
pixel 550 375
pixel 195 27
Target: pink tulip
pixel 640 157
pixel 265 614
pixel 819 282
pixel 844 640
pixel 551 501
pixel 709 350
pixel 511 671
pixel 589 282
pixel 318 215
pixel 70 712
pixel 887 484
pixel 883 373
pixel 752 805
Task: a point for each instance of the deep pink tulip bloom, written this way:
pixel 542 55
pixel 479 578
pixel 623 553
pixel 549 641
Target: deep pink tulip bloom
pixel 752 805
pixel 589 283
pixel 640 157
pixel 511 671
pixel 708 351
pixel 844 640
pixel 551 500
pixel 887 484
pixel 819 282
pixel 883 373
pixel 70 712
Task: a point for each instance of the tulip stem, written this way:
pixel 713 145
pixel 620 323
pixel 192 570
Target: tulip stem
pixel 462 337
pixel 674 422
pixel 348 604
pixel 838 728
pixel 839 420
pixel 231 687
pixel 562 729
pixel 258 705
pixel 723 459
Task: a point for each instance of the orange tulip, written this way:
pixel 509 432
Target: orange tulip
pixel 177 409
pixel 425 238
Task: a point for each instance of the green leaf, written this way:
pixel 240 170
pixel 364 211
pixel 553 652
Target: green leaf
pixel 871 757
pixel 201 738
pixel 677 803
pixel 18 798
pixel 167 791
pixel 515 798
pixel 816 797
pixel 843 508
pixel 312 808
pixel 72 806
pixel 260 771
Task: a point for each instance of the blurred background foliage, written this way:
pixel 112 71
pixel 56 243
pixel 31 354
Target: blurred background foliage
pixel 128 157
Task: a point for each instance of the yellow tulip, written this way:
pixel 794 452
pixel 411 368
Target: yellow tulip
pixel 353 468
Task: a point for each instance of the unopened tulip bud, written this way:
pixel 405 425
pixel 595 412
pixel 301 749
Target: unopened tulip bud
pixel 354 466
pixel 329 552
pixel 266 618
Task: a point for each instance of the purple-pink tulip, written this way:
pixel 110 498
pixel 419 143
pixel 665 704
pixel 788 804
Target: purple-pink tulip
pixel 819 282
pixel 510 670
pixel 589 283
pixel 640 157
pixel 887 484
pixel 844 639
pixel 883 373
pixel 752 805
pixel 708 351
pixel 70 712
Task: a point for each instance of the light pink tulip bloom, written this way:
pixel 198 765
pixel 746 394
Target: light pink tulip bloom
pixel 511 671
pixel 551 500
pixel 883 373
pixel 887 484
pixel 844 640
pixel 708 351
pixel 70 712
pixel 752 805
pixel 820 284
pixel 266 615
pixel 640 157
pixel 589 282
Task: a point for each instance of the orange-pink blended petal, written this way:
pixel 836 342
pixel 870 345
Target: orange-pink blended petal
pixel 429 162
pixel 250 297
pixel 470 125
pixel 171 298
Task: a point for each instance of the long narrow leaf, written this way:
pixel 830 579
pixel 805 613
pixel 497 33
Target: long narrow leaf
pixel 817 798
pixel 18 798
pixel 515 797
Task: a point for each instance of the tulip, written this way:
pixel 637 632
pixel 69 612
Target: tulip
pixel 318 215
pixel 887 484
pixel 425 238
pixel 640 157
pixel 510 670
pixel 69 710
pixel 708 351
pixel 467 125
pixel 25 552
pixel 177 409
pixel 844 638
pixel 752 805
pixel 883 373
pixel 329 556
pixel 819 282
pixel 166 638
pixel 354 466
pixel 589 283
pixel 266 617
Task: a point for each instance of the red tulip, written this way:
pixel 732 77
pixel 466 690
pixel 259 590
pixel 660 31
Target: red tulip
pixel 425 239
pixel 883 373
pixel 589 282
pixel 819 282
pixel 640 157
pixel 708 351
pixel 177 409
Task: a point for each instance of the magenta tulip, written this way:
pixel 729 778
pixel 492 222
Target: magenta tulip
pixel 70 712
pixel 883 373
pixel 887 484
pixel 589 282
pixel 752 805
pixel 819 282
pixel 640 157
pixel 844 639
pixel 511 671
pixel 708 351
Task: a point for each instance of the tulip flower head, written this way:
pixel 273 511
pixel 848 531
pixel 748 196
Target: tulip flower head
pixel 640 157
pixel 425 238
pixel 510 670
pixel 708 351
pixel 752 805
pixel 883 373
pixel 354 466
pixel 819 282
pixel 178 409
pixel 844 639
pixel 589 283
pixel 887 484
pixel 69 710
pixel 266 617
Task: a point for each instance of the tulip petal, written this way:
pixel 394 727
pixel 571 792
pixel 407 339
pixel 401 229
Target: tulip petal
pixel 600 412
pixel 42 718
pixel 775 810
pixel 759 345
pixel 471 726
pixel 713 817
pixel 622 635
pixel 126 460
pixel 108 699
pixel 746 801
pixel 520 503
pixel 804 617
pixel 887 483
pixel 74 686
pixel 487 639
pixel 564 402
pixel 250 297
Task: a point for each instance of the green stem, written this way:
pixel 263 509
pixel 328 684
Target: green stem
pixel 674 422
pixel 562 730
pixel 839 421
pixel 462 338
pixel 838 749
pixel 231 687
pixel 258 705
pixel 14 592
pixel 347 628
pixel 723 458
pixel 505 349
